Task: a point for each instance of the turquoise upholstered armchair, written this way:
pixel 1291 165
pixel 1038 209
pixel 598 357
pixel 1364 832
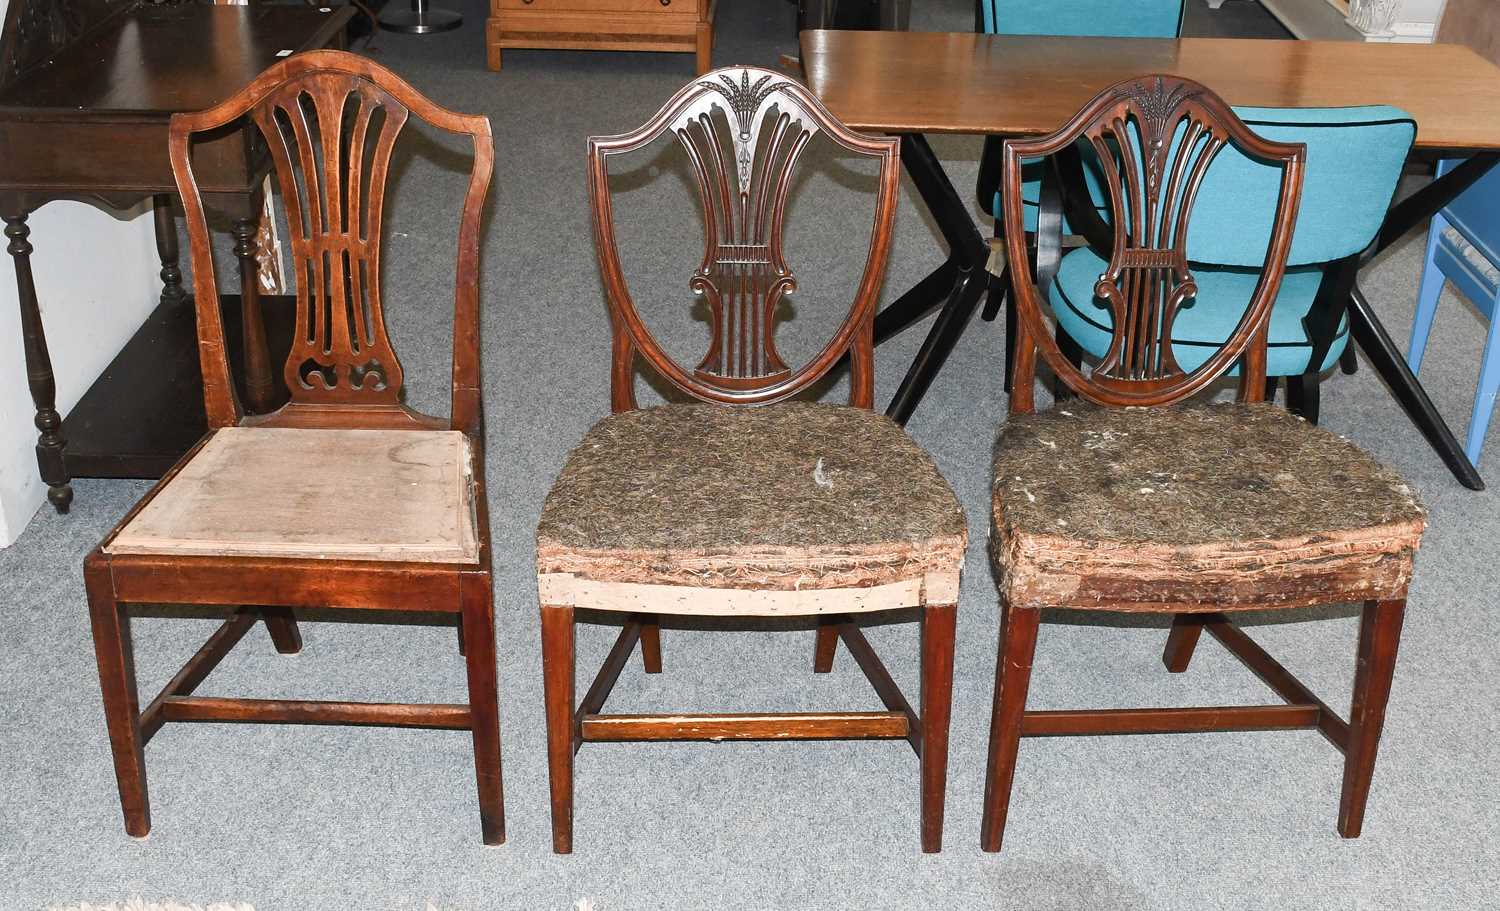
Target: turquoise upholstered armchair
pixel 1115 18
pixel 1463 247
pixel 1120 18
pixel 1354 159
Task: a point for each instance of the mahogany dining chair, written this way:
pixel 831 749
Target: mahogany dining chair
pixel 343 498
pixel 1137 501
pixel 744 505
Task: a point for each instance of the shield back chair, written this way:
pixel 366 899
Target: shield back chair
pixel 1195 510
pixel 1463 247
pixel 1354 161
pixel 343 498
pixel 721 508
pixel 1093 18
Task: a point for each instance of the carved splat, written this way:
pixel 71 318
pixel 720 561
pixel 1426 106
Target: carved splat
pixel 1154 155
pixel 331 121
pixel 744 274
pixel 1155 138
pixel 331 143
pixel 743 130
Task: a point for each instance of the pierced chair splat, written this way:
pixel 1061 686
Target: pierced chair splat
pixel 1194 510
pixel 1355 157
pixel 714 508
pixel 384 508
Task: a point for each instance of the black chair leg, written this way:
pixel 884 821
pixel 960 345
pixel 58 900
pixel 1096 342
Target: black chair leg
pixel 1271 383
pixel 1010 334
pixel 999 290
pixel 1302 396
pixel 999 293
pixel 1349 361
pixel 1074 353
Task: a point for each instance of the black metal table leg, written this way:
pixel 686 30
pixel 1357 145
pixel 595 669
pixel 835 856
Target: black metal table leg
pixel 918 301
pixel 961 278
pixel 421 19
pixel 1419 207
pixel 1377 345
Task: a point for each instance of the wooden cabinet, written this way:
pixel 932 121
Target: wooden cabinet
pixel 685 26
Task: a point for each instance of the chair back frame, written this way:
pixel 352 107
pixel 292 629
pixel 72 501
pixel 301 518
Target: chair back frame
pixel 743 185
pixel 1156 137
pixel 317 112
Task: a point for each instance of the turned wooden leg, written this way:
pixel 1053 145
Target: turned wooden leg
pixel 1379 636
pixel 50 443
pixel 1186 628
pixel 557 684
pixel 1018 627
pixel 258 388
pixel 172 292
pixel 281 623
pixel 484 701
pixel 938 623
pixel 122 708
pixel 650 643
pixel 827 645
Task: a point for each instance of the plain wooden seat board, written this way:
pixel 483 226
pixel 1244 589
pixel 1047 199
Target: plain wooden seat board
pixel 335 494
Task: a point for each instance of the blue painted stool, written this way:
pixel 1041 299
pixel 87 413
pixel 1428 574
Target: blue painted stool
pixel 1463 247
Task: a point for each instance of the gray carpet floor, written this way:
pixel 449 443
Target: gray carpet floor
pixel 334 818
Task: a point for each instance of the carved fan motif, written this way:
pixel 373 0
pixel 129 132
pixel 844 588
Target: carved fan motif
pixel 744 130
pixel 332 150
pixel 745 101
pixel 743 276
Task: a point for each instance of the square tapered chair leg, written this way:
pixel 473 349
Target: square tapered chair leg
pixel 122 710
pixel 558 685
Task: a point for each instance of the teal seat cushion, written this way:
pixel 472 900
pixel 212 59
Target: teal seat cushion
pixel 1203 325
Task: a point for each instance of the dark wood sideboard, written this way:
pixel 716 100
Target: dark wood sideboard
pixel 86 90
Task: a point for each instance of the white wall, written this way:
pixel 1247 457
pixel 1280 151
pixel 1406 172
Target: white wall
pixel 1418 20
pixel 96 277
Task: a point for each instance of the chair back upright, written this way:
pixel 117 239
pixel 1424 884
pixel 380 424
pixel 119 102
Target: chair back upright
pixel 1156 138
pixel 1135 19
pixel 330 121
pixel 1354 160
pixel 743 130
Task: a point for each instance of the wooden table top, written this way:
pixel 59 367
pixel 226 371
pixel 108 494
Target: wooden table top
pixel 961 82
pixel 157 60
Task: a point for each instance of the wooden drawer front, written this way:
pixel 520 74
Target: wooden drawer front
pixel 130 156
pixel 651 7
